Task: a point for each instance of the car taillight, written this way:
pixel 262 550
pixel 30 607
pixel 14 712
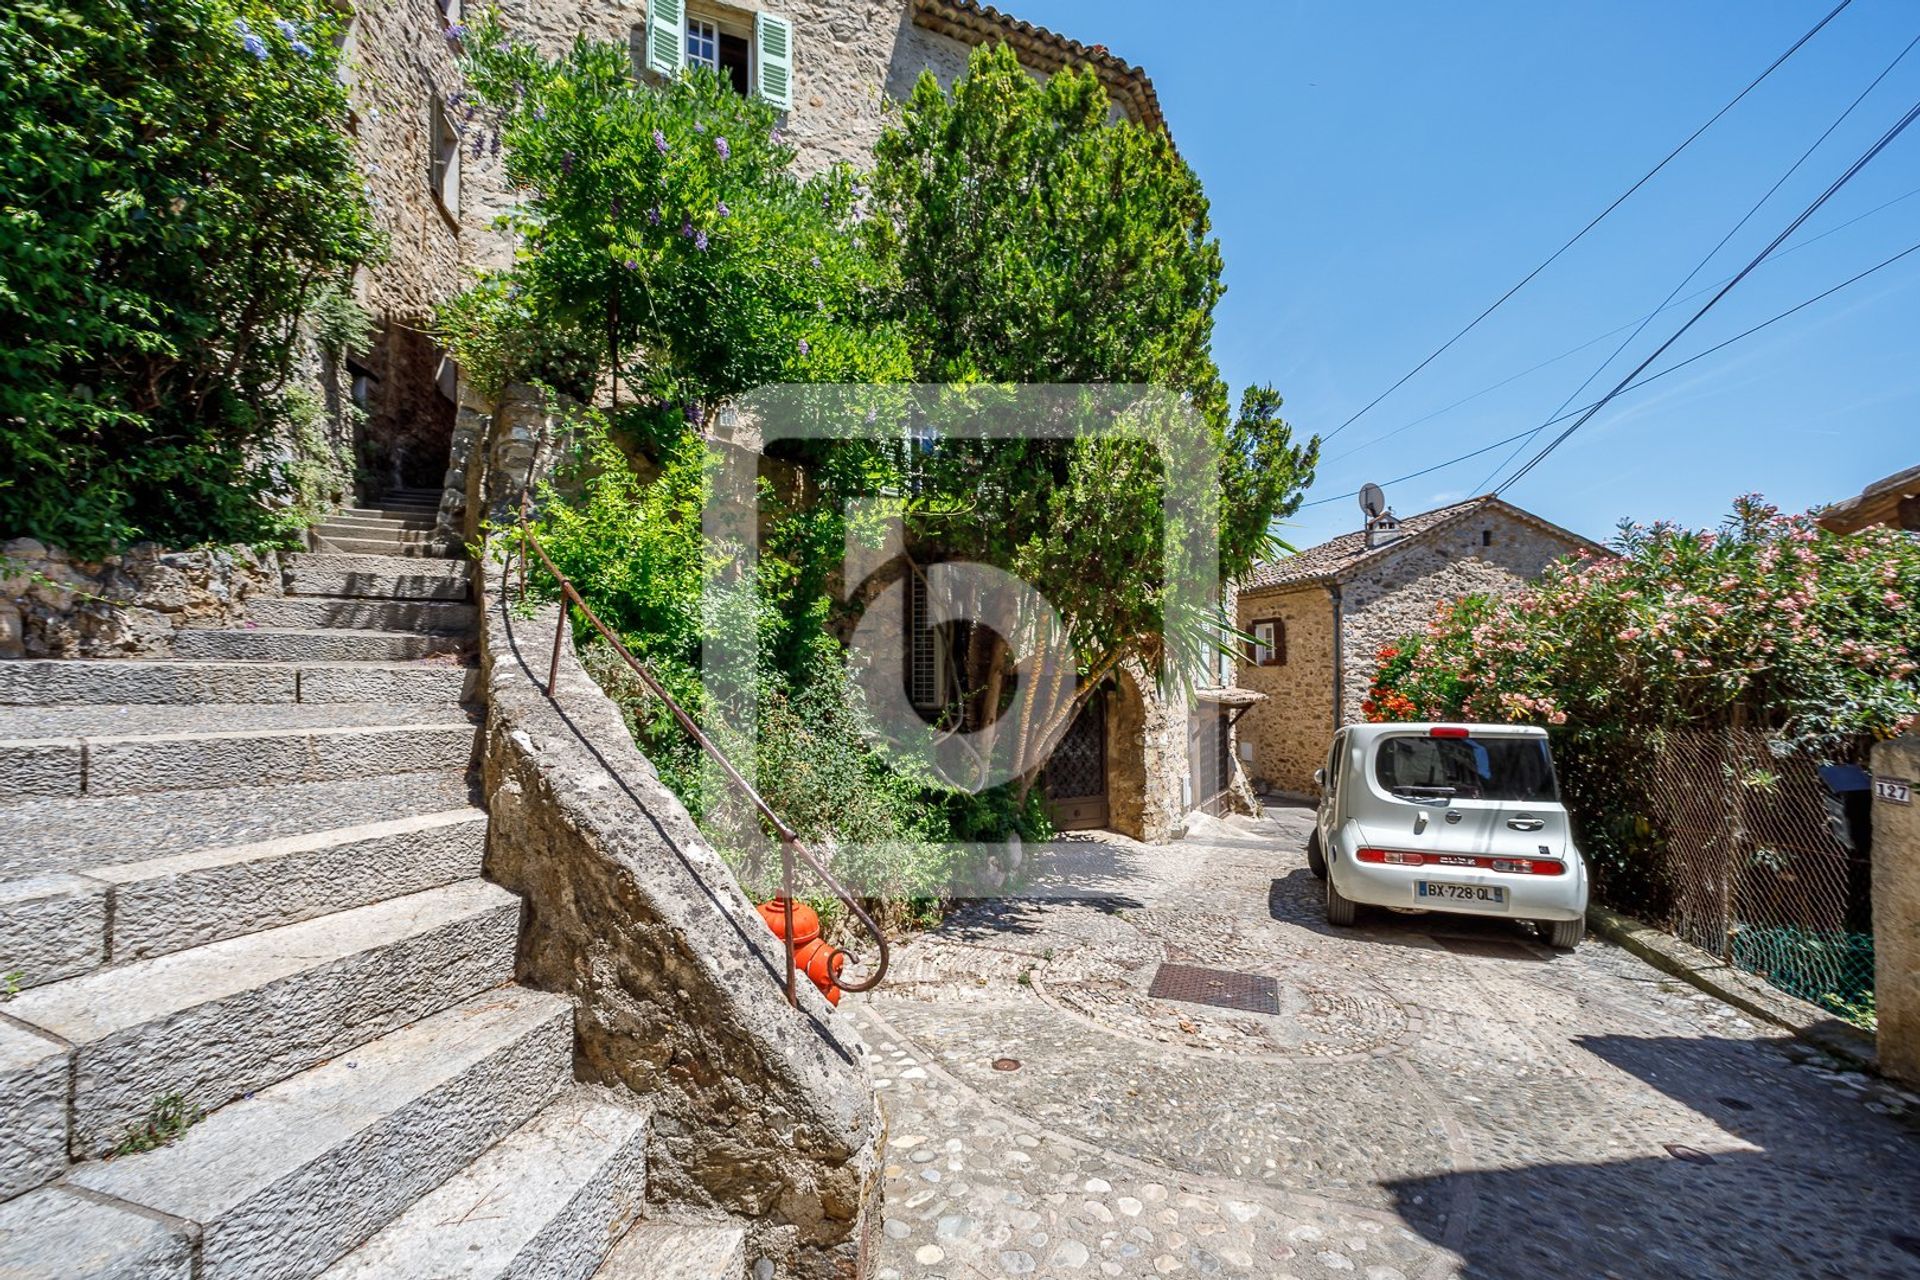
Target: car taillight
pixel 1507 866
pixel 1393 857
pixel 1526 866
pixel 1448 731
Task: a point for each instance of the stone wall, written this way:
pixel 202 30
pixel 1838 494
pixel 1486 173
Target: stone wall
pixel 1146 758
pixel 1489 552
pixel 1896 912
pixel 1289 732
pixel 125 606
pixel 760 1109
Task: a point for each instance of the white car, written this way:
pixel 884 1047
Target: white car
pixel 1448 817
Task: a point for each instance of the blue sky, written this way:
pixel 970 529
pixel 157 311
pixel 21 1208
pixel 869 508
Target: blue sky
pixel 1380 173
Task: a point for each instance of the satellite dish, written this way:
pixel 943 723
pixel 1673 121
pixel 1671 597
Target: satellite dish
pixel 1372 500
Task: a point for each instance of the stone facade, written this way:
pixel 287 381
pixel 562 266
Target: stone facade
pixel 1896 912
pixel 851 57
pixel 127 605
pixel 1288 733
pixel 1336 621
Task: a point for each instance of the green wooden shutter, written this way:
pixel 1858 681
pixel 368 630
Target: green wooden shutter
pixel 773 59
pixel 666 36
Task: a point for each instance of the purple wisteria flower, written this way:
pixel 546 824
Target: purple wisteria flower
pixel 566 164
pixel 700 241
pixel 694 413
pixel 632 265
pixel 686 227
pixel 660 142
pixel 539 113
pixel 252 43
pixel 816 262
pixel 720 146
pixel 777 138
pixel 698 127
pixel 804 347
pixel 723 211
pixel 653 216
pixel 457 31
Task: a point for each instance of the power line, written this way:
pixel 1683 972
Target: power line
pixel 1618 201
pixel 1701 265
pixel 1574 351
pixel 1650 378
pixel 1867 158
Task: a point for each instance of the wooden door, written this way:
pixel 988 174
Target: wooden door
pixel 1077 770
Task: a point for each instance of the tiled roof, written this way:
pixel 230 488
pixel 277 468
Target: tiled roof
pixel 1349 552
pixel 971 22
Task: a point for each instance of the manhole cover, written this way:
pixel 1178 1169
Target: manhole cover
pixel 1006 1064
pixel 1222 988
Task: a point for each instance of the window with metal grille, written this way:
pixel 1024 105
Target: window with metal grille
pixel 923 647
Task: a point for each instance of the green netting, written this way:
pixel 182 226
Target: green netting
pixel 1832 970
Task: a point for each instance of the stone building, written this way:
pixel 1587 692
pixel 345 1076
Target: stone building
pixel 1321 615
pixel 438 186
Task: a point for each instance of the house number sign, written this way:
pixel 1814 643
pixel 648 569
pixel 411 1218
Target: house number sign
pixel 1893 790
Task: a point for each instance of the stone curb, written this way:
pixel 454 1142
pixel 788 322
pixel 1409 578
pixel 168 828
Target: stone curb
pixel 1741 990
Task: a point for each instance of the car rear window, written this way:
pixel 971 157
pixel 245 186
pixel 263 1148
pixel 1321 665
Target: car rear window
pixel 1423 768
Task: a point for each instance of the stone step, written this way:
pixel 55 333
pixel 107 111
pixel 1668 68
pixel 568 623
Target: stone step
pixel 547 1201
pixel 319 573
pixel 374 518
pixel 334 530
pixel 212 1023
pixel 43 682
pixel 279 1185
pixel 420 739
pixel 320 644
pixel 376 546
pixel 678 1251
pixel 50 836
pixel 55 1234
pixel 54 926
pixel 364 615
pixel 33 1125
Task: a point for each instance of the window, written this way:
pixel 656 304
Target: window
pixel 1486 537
pixel 926 649
pixel 1428 769
pixel 443 162
pixel 730 55
pixel 752 51
pixel 1269 647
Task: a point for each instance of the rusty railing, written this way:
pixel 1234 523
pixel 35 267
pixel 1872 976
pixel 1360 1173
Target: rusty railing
pixel 790 843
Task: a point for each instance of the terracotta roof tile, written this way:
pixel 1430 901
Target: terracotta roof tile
pixel 971 22
pixel 1349 552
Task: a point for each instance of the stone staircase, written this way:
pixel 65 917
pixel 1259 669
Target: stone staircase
pixel 245 882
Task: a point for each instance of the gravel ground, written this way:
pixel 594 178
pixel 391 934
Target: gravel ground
pixel 1423 1096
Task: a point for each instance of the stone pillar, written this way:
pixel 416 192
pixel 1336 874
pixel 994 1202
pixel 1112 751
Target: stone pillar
pixel 1896 911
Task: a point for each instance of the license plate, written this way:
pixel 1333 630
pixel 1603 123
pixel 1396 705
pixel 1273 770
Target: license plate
pixel 1483 897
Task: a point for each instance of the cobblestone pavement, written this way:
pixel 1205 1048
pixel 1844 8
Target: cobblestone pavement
pixel 1435 1097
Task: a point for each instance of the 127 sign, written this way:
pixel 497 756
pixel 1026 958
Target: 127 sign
pixel 1893 790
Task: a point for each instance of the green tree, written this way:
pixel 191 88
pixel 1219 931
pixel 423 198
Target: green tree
pixel 1039 240
pixel 667 241
pixel 175 190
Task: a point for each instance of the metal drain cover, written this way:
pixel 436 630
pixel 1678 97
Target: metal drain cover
pixel 1222 988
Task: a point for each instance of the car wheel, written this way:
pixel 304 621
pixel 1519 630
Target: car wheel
pixel 1340 908
pixel 1316 856
pixel 1562 935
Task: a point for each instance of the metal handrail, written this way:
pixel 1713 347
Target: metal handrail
pixel 790 843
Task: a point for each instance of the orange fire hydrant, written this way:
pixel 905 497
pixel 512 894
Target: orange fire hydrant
pixel 811 953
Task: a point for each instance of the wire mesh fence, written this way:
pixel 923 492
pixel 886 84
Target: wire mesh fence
pixel 1760 866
